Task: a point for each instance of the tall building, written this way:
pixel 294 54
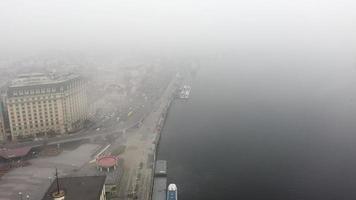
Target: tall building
pixel 40 104
pixel 2 123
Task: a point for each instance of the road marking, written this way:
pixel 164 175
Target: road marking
pixel 97 155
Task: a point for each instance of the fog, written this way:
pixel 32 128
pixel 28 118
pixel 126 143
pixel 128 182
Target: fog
pixel 263 88
pixel 177 26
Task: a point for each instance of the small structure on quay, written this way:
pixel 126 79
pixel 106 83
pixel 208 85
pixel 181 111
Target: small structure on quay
pixel 107 162
pixel 107 165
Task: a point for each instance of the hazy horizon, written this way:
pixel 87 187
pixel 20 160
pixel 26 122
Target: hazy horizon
pixel 176 26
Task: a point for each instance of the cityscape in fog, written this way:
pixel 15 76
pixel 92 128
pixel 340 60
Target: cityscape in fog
pixel 160 100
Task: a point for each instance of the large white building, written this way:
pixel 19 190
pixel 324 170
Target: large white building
pixel 40 104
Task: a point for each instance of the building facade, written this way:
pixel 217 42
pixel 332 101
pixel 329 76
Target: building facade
pixel 2 123
pixel 39 104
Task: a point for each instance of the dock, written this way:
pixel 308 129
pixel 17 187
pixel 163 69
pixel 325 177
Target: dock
pixel 160 181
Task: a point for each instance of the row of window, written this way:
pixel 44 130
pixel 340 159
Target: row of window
pixel 24 119
pixel 39 102
pixel 34 109
pixel 36 98
pixel 35 91
pixel 21 92
pixel 29 132
pixel 18 123
pixel 19 128
pixel 29 114
pixel 34 113
pixel 44 102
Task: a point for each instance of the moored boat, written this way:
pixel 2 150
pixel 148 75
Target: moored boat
pixel 172 193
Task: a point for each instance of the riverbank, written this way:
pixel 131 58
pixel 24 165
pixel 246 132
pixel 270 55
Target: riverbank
pixel 141 146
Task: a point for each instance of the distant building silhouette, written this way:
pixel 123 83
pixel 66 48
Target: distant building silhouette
pixel 2 122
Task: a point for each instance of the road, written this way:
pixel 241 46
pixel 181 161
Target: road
pixel 140 149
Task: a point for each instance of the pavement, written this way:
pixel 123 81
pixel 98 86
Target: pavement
pixel 34 180
pixel 140 149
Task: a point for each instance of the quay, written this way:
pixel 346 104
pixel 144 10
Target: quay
pixel 159 191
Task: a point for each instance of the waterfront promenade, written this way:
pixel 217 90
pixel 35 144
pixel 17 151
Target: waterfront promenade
pixel 139 156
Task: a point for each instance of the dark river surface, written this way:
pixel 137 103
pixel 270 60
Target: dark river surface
pixel 265 128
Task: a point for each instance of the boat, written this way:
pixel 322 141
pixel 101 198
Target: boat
pixel 185 92
pixel 172 193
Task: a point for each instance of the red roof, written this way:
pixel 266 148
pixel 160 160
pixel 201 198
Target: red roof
pixel 107 161
pixel 14 153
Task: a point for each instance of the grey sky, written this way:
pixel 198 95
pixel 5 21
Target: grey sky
pixel 85 24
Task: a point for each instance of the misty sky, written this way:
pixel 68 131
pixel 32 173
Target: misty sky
pixel 28 25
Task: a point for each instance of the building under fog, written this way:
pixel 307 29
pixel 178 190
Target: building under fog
pixel 40 104
pixel 76 188
pixel 2 123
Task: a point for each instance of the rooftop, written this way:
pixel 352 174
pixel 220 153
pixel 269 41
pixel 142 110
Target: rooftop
pixel 14 153
pixel 107 161
pixel 75 188
pixel 40 79
pixel 161 168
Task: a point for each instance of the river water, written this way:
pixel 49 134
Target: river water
pixel 265 128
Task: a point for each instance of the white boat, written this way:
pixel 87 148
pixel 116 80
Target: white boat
pixel 185 92
pixel 172 193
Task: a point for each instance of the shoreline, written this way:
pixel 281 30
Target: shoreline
pixel 142 143
pixel 160 125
